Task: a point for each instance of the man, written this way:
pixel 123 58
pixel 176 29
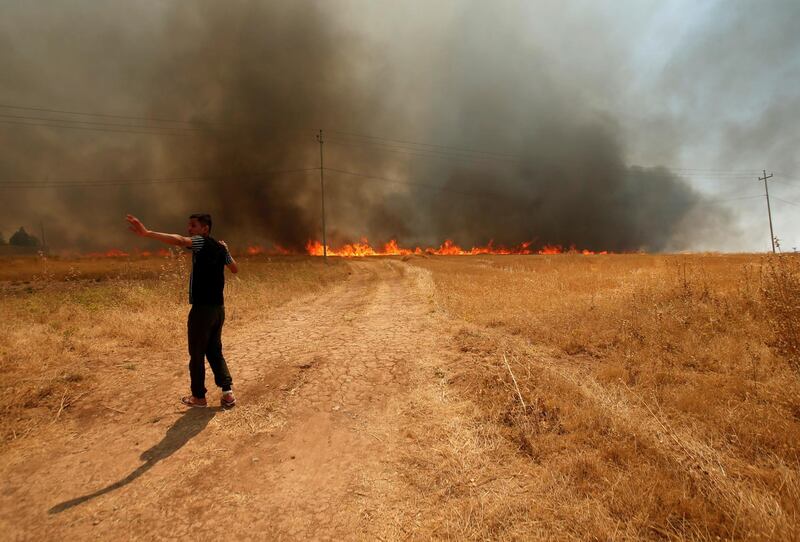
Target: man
pixel 207 315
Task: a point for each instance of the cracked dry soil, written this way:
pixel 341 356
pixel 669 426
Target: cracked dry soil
pixel 311 452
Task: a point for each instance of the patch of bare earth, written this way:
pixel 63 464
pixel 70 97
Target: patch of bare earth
pixel 324 385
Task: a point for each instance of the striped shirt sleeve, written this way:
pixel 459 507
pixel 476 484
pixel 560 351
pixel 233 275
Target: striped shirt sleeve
pixel 197 242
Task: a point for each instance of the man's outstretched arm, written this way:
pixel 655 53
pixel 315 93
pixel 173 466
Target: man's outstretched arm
pixel 136 226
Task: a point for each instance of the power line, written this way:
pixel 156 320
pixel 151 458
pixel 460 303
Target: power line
pixel 786 201
pixel 401 146
pixel 98 123
pixel 94 183
pixel 390 144
pixel 510 158
pixel 726 200
pixel 424 153
pixel 109 182
pixel 489 194
pixel 196 126
pixel 705 170
pixel 107 115
pixel 404 144
pixel 421 144
pixel 717 176
pixel 91 183
pixel 111 127
pixel 783 180
pixel 399 143
pixel 694 174
pixel 97 183
pixel 89 128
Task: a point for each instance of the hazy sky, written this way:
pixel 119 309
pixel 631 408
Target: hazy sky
pixel 707 89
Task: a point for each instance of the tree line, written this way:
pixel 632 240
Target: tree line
pixel 21 238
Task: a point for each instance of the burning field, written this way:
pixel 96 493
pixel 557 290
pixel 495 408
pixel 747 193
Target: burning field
pixel 448 248
pixel 563 396
pixel 473 304
pixel 364 248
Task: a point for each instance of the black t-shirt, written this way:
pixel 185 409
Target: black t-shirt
pixel 207 281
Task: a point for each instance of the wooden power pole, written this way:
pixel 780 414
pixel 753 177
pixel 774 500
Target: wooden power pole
pixel 44 241
pixel 322 186
pixel 769 211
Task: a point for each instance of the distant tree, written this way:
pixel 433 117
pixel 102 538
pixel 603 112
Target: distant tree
pixel 23 239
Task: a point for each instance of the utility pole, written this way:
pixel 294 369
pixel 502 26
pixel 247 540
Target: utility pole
pixel 44 241
pixel 322 186
pixel 769 211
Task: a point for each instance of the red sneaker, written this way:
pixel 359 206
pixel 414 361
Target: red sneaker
pixel 228 400
pixel 192 401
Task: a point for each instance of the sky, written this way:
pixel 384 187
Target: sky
pixel 596 97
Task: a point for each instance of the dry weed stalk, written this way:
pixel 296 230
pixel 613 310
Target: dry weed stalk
pixel 514 379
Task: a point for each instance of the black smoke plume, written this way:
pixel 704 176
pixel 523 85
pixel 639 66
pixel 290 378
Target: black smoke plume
pixel 522 158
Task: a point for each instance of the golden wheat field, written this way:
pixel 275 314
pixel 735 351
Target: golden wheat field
pixel 618 397
pixel 661 393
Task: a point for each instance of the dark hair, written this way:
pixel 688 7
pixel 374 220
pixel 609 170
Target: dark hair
pixel 204 219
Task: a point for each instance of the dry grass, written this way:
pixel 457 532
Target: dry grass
pixel 69 326
pixel 607 398
pixel 661 398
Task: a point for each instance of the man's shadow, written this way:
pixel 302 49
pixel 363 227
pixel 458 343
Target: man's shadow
pixel 192 422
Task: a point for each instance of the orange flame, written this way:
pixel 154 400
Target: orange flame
pixel 393 249
pixel 550 249
pixel 448 248
pixel 255 250
pixel 111 253
pixel 162 252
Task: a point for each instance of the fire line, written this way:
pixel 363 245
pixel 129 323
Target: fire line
pixel 448 248
pixel 363 248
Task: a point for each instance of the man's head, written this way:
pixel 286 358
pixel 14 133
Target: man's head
pixel 200 224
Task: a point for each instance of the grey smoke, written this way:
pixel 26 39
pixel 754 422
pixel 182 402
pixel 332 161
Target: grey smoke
pixel 264 76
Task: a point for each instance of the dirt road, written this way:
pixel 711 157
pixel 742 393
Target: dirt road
pixel 314 451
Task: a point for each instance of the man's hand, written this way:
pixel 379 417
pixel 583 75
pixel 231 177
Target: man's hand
pixel 224 245
pixel 136 226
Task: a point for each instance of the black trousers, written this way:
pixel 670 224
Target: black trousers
pixel 205 340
